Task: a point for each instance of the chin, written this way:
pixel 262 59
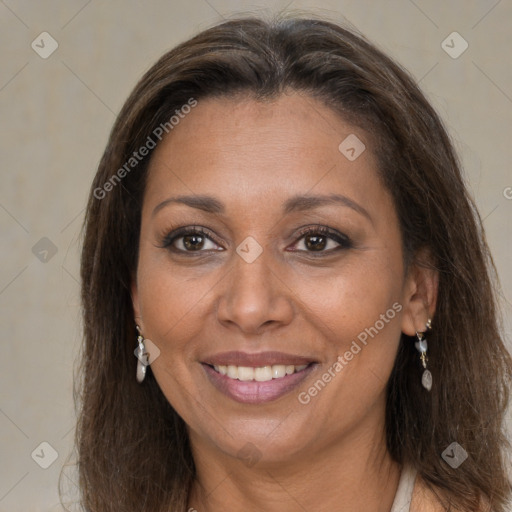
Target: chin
pixel 262 442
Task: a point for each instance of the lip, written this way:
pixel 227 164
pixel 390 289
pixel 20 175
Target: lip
pixel 269 358
pixel 253 392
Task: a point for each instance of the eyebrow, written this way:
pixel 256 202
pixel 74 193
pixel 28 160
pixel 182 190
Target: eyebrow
pixel 298 203
pixel 309 202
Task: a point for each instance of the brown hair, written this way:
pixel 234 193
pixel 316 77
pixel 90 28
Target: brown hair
pixel 133 449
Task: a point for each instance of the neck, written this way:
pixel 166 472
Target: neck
pixel 352 474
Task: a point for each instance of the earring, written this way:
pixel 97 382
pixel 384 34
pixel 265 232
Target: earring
pixel 421 345
pixel 141 354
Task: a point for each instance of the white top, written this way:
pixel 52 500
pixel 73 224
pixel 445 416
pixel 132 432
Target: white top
pixel 403 496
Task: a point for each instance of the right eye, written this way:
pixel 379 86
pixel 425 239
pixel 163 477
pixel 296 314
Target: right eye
pixel 195 239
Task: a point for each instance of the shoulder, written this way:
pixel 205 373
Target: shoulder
pixel 426 499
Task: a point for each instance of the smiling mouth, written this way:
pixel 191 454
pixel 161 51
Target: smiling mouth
pixel 257 384
pixel 260 373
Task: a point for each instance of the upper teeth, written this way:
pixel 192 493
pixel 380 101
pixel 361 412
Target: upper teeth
pixel 260 374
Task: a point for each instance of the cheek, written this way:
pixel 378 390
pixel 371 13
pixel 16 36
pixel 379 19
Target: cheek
pixel 358 310
pixel 353 297
pixel 170 300
pixel 172 308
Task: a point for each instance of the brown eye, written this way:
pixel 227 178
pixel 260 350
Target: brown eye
pixel 315 242
pixel 193 242
pixel 321 240
pixel 190 240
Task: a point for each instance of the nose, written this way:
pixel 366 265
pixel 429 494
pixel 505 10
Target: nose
pixel 253 297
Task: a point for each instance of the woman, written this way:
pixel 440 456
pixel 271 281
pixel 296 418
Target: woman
pixel 280 232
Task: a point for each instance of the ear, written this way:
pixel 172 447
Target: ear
pixel 420 293
pixel 135 301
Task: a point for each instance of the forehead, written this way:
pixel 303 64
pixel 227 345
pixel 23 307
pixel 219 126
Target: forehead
pixel 245 150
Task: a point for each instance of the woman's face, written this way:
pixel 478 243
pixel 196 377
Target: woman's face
pixel 265 247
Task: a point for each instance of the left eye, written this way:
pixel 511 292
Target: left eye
pixel 322 240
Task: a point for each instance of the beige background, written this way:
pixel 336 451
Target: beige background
pixel 56 114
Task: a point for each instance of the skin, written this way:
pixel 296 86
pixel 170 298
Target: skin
pixel 252 156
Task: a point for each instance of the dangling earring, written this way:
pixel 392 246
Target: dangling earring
pixel 421 345
pixel 140 353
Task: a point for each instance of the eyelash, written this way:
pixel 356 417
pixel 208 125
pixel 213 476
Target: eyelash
pixel 343 240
